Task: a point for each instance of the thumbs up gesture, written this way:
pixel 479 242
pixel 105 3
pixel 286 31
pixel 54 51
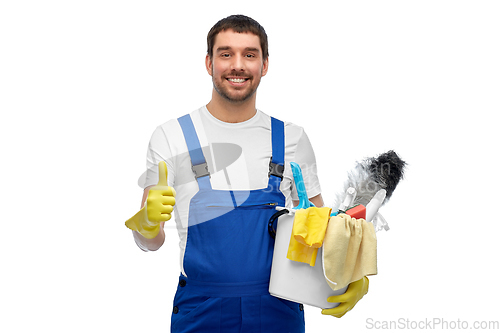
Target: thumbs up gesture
pixel 158 207
pixel 161 198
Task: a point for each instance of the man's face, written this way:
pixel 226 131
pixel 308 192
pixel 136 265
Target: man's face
pixel 237 65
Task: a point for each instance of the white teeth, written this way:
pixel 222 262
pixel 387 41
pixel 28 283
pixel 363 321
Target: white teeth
pixel 237 80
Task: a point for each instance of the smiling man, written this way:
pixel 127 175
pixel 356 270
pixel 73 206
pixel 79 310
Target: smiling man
pixel 237 62
pixel 222 217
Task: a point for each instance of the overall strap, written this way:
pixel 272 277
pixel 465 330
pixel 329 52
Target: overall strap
pixel 277 163
pixel 198 162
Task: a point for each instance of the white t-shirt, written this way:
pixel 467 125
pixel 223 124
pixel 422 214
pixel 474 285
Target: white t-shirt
pixel 238 156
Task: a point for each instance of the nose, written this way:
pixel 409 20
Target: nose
pixel 238 63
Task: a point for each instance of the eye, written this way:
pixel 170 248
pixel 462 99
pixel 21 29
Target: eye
pixel 225 55
pixel 250 56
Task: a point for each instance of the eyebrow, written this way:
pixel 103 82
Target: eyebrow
pixel 225 48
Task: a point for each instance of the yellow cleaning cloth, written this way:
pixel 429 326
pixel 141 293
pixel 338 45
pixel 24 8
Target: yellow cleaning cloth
pixel 309 228
pixel 349 250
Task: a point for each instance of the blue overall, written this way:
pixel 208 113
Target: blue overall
pixel 229 253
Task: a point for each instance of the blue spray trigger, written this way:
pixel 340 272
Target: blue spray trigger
pixel 300 186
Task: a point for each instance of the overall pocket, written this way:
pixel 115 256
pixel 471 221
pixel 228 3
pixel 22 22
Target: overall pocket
pixel 280 315
pixel 195 313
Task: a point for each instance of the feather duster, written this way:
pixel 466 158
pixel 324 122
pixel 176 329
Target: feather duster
pixel 371 175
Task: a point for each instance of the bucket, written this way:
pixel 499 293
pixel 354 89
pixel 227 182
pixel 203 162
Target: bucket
pixel 297 281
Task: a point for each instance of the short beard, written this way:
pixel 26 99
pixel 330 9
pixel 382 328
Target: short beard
pixel 230 99
pixel 225 95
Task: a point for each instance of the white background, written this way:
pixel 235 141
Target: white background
pixel 83 84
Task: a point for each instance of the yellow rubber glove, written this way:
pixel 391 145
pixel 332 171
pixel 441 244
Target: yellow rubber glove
pixel 348 300
pixel 158 207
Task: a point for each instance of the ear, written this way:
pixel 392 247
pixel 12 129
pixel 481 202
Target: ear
pixel 208 64
pixel 265 66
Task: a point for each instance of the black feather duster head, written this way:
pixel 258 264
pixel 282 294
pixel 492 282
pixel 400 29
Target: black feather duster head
pixel 387 170
pixel 373 174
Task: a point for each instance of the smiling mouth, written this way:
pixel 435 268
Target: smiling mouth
pixel 237 80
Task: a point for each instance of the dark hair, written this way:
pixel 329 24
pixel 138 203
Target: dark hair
pixel 238 23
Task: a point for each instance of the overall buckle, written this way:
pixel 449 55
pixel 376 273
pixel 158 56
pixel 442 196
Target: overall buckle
pixel 276 169
pixel 200 170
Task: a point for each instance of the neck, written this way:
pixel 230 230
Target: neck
pixel 231 112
